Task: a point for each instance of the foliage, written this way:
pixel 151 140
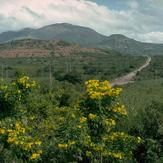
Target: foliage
pixel 40 129
pixel 15 92
pixel 102 112
pixel 149 129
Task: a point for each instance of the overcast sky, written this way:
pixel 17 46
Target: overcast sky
pixel 138 19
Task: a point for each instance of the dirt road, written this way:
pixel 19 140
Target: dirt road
pixel 129 78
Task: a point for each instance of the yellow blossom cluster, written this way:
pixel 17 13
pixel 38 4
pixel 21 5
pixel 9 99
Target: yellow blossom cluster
pixel 102 150
pixel 92 116
pixel 119 109
pixel 116 155
pixel 110 122
pixel 121 135
pixel 88 153
pixel 96 147
pixel 138 139
pixel 83 119
pixel 115 135
pixel 19 137
pixel 3 87
pixel 62 146
pixel 66 145
pixel 36 155
pixel 2 131
pixel 25 82
pixel 97 90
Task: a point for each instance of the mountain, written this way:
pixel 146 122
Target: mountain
pixel 67 32
pixel 86 37
pixel 127 45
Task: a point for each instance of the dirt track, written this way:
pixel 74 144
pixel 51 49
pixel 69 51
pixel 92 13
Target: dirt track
pixel 129 78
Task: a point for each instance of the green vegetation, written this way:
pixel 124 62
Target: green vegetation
pixel 83 65
pixel 61 120
pixel 143 101
pixel 154 71
pixel 35 128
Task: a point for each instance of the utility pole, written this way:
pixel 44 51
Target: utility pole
pixel 2 71
pixel 50 75
pixel 50 70
pixel 6 72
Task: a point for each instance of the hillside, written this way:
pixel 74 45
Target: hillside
pixel 126 45
pixel 41 48
pixel 86 37
pixel 71 33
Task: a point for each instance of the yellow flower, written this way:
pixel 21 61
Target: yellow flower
pixel 34 156
pixel 79 126
pixel 117 155
pixel 97 90
pixel 83 119
pixel 98 148
pixel 39 151
pixel 110 122
pixel 9 130
pixel 72 142
pixel 120 109
pixel 29 145
pixel 19 128
pixel 32 117
pixel 10 140
pixel 88 153
pixel 38 142
pixel 73 115
pixel 139 140
pixel 2 131
pixel 92 116
pixel 62 146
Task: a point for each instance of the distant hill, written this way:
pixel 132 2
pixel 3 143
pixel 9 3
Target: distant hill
pixel 71 33
pixel 126 45
pixel 86 37
pixel 42 48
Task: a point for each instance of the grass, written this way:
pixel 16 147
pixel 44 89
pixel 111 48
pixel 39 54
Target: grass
pixel 154 71
pixel 141 93
pixel 88 65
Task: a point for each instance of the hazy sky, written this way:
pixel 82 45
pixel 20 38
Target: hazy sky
pixel 138 19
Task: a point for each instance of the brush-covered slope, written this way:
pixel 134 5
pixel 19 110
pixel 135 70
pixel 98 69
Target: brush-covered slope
pixel 41 48
pixel 126 45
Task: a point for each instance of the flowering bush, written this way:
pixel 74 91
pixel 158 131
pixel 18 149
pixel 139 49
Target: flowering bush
pixel 102 112
pixel 18 138
pixel 42 130
pixel 17 91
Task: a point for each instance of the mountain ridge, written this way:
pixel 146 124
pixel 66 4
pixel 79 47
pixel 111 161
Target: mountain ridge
pixel 86 37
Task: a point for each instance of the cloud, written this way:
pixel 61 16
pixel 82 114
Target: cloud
pixel 152 37
pixel 140 19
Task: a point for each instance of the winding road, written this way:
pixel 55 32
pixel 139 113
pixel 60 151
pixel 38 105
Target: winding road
pixel 129 78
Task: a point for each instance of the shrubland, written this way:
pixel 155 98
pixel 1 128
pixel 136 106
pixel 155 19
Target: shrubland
pixel 58 118
pixel 35 127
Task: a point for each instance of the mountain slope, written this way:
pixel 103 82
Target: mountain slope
pixel 71 33
pixel 42 48
pixel 126 45
pixel 85 37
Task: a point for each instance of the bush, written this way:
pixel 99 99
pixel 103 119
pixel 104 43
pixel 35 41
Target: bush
pixel 71 77
pixel 43 130
pixel 149 128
